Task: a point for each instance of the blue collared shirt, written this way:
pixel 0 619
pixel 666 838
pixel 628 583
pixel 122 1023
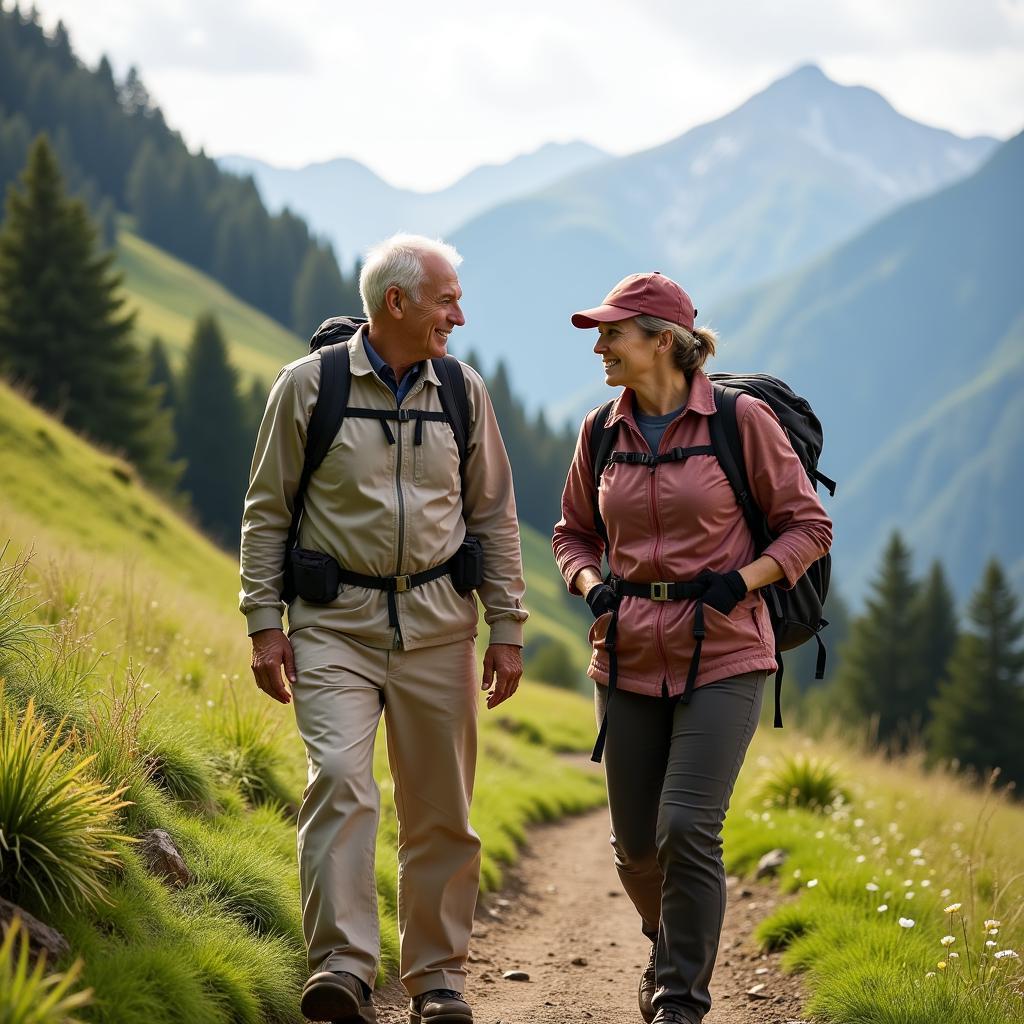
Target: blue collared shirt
pixel 387 375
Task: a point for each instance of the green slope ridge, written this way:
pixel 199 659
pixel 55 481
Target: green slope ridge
pixel 170 294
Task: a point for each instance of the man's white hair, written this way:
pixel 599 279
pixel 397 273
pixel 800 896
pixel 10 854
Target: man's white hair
pixel 398 261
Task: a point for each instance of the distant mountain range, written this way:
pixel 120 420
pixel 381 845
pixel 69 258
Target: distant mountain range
pixel 795 170
pixel 353 207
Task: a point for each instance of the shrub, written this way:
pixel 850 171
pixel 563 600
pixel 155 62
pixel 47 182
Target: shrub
pixel 249 757
pixel 56 831
pixel 803 781
pixel 177 764
pixel 30 995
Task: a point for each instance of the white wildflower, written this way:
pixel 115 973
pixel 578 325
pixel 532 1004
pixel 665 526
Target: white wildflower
pixel 991 943
pixel 883 908
pixel 871 887
pixel 1007 954
pixel 953 908
pixel 948 940
pixel 907 922
pixel 915 852
pixel 861 858
pixel 812 883
pixel 993 923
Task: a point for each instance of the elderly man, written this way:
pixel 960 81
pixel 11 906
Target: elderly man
pixel 391 501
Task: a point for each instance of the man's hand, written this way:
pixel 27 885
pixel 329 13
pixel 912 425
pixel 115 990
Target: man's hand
pixel 503 668
pixel 271 652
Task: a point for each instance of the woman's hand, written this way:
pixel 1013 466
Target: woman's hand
pixel 601 598
pixel 724 590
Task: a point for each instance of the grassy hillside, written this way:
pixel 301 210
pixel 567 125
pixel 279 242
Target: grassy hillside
pixel 907 887
pixel 170 294
pixel 144 656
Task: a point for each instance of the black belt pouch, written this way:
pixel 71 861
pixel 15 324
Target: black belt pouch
pixel 468 565
pixel 315 575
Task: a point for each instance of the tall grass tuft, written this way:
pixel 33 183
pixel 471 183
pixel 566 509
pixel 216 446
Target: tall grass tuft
pixel 56 827
pixel 19 634
pixel 248 755
pixel 29 995
pixel 803 781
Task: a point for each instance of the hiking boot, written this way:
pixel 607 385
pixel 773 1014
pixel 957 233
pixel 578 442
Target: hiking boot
pixel 648 986
pixel 440 1006
pixel 339 997
pixel 671 1015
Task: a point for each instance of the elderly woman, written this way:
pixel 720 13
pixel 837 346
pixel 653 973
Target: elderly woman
pixel 682 639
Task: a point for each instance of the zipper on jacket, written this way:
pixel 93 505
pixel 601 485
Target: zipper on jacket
pixel 416 388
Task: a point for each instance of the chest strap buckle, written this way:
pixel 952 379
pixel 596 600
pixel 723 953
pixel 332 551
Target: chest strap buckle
pixel 659 591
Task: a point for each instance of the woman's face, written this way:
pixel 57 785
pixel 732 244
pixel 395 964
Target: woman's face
pixel 628 354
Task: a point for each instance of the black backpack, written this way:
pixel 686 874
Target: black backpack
pixel 796 614
pixel 331 340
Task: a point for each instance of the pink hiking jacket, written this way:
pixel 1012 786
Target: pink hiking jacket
pixel 672 523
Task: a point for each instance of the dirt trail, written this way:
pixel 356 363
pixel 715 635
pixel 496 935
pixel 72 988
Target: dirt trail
pixel 564 904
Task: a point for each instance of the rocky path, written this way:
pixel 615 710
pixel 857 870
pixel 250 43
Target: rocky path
pixel 564 921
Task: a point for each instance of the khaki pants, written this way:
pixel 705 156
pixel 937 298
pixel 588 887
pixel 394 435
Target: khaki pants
pixel 429 699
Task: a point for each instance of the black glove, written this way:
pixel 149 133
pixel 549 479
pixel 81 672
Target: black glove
pixel 724 590
pixel 601 599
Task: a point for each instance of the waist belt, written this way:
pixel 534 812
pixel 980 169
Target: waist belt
pixel 395 584
pixel 678 591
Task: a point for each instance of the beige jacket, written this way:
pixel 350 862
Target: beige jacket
pixel 383 510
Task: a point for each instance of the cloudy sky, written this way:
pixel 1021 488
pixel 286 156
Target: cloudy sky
pixel 422 92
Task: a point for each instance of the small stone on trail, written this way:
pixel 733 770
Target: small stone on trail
pixel 745 894
pixel 614 895
pixel 768 866
pixel 552 888
pixel 758 992
pixel 760 970
pixel 503 903
pixel 579 961
pixel 516 976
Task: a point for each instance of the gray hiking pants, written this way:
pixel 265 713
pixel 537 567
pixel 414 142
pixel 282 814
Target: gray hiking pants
pixel 670 769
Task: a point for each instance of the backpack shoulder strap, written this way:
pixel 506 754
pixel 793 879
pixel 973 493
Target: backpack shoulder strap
pixel 324 421
pixel 455 403
pixel 728 447
pixel 601 440
pixel 454 399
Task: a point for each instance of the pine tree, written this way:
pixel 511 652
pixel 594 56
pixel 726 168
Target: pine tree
pixel 319 292
pixel 256 404
pixel 979 712
pixel 879 675
pixel 63 329
pixel 161 375
pixel 212 433
pixel 936 625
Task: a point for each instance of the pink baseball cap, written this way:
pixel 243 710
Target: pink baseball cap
pixel 641 295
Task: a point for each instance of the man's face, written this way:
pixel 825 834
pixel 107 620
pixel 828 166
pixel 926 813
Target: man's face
pixel 429 320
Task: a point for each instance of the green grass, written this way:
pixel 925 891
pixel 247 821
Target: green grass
pixel 904 845
pixel 170 294
pixel 143 652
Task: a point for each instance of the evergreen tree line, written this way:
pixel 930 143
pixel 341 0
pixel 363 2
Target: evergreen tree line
pixel 118 154
pixel 539 454
pixel 910 674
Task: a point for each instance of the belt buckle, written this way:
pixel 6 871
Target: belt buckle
pixel 402 584
pixel 659 591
